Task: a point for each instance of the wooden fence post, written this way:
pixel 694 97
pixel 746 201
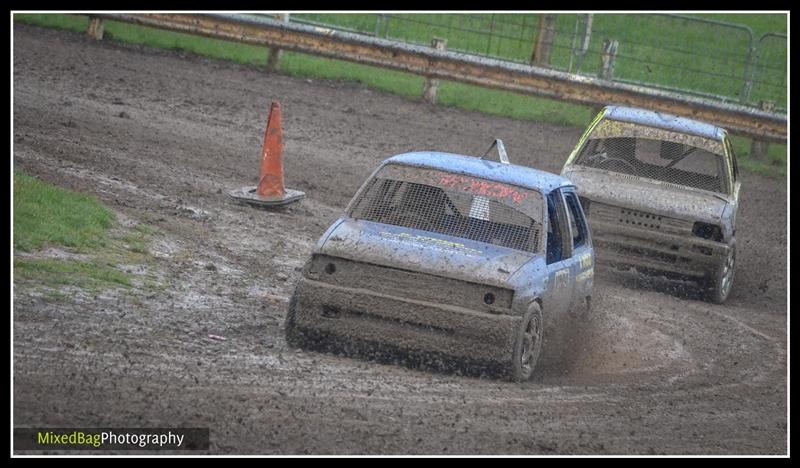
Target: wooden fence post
pixel 544 41
pixel 430 89
pixel 95 27
pixel 275 53
pixel 758 149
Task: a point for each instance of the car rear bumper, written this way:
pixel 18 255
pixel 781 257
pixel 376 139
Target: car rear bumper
pixel 657 251
pixel 390 323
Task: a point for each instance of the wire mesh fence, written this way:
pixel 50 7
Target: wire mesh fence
pixel 692 55
pixel 505 36
pixel 769 82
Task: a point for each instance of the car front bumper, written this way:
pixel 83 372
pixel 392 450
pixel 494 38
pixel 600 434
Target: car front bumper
pixel 353 316
pixel 658 251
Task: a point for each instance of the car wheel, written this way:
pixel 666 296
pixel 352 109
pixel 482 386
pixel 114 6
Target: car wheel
pixel 719 286
pixel 293 336
pixel 528 344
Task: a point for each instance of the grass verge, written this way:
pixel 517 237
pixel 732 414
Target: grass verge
pixel 88 249
pixel 458 95
pixel 46 214
pixel 92 275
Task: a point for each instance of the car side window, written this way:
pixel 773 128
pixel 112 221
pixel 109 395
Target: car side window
pixel 577 221
pixel 555 244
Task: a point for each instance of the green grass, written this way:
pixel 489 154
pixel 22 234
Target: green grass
pixel 45 214
pixel 518 31
pixel 759 23
pixel 391 81
pixel 49 20
pixel 50 216
pixel 774 165
pixel 506 103
pixel 91 275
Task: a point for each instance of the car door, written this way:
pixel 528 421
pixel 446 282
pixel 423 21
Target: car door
pixel 581 260
pixel 559 249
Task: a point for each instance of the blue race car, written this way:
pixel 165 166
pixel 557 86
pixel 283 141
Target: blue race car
pixel 447 258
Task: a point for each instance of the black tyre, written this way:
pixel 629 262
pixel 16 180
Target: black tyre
pixel 718 286
pixel 528 345
pixel 293 336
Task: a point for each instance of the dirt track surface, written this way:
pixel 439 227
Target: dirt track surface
pixel 156 135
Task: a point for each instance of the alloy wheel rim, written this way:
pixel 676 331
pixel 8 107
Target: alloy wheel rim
pixel 529 341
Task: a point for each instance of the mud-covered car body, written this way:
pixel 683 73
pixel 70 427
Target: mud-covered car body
pixel 661 193
pixel 447 255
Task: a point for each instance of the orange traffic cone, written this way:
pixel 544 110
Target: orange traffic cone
pixel 270 182
pixel 270 190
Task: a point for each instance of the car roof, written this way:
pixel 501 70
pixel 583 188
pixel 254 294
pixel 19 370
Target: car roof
pixel 665 121
pixel 512 174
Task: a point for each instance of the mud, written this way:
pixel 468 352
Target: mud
pixel 162 137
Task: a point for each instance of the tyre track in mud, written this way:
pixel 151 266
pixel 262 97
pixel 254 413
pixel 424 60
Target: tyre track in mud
pixel 161 137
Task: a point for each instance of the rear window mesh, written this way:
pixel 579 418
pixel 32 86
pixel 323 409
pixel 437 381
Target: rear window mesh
pixel 656 154
pixel 447 211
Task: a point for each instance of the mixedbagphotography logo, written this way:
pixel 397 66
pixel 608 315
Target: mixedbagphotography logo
pixel 111 438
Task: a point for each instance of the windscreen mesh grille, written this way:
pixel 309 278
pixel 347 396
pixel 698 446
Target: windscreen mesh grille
pixel 447 211
pixel 666 161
